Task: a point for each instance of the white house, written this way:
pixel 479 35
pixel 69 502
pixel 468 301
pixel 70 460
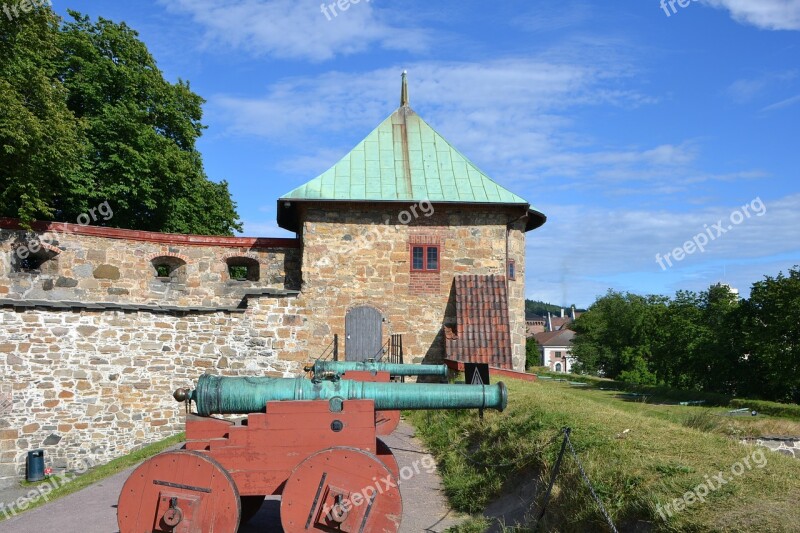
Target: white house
pixel 556 349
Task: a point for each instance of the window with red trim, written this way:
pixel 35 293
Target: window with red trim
pixel 425 258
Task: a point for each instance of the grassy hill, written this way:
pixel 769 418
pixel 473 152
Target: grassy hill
pixel 640 457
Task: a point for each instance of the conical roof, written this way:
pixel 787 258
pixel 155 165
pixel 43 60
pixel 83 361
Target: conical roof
pixel 403 160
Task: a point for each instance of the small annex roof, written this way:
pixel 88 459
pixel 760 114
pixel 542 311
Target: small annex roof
pixel 403 160
pixel 560 338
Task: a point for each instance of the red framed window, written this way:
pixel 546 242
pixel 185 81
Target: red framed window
pixel 425 258
pixel 512 269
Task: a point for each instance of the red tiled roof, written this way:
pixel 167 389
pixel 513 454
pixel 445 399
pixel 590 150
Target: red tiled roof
pixel 482 333
pixel 562 337
pixel 560 322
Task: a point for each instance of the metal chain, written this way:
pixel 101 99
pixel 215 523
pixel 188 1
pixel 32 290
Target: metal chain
pixel 553 476
pixel 589 483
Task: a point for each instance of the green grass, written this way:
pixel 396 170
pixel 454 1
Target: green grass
pixel 93 475
pixel 666 451
pixel 666 394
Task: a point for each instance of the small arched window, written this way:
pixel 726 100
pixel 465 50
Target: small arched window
pixel 243 269
pixel 558 367
pixel 168 268
pixel 33 258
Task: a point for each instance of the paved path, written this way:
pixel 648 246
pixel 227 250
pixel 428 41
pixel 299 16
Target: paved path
pixel 93 510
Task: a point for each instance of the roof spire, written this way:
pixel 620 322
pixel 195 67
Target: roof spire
pixel 404 90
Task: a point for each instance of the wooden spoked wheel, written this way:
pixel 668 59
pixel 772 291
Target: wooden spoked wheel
pixel 341 489
pixel 180 492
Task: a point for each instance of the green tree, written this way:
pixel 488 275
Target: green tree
pixel 772 338
pixel 616 335
pixel 142 132
pixel 41 141
pixel 533 354
pixel 87 117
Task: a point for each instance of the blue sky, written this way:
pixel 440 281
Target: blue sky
pixel 632 129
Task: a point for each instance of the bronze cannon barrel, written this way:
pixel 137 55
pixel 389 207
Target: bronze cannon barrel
pixel 245 395
pixel 395 370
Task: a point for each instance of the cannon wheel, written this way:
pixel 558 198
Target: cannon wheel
pixel 386 422
pixel 179 488
pixel 386 455
pixel 343 489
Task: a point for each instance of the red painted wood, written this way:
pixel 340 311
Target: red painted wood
pixel 204 494
pixel 343 489
pixel 259 455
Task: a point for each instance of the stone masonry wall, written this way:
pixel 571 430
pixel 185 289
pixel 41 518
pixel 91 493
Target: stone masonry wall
pixel 118 266
pixel 352 257
pixel 72 382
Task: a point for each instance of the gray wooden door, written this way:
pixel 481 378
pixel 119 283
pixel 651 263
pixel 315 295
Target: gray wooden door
pixel 364 334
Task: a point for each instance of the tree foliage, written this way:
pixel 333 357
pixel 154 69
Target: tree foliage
pixel 533 355
pixel 88 117
pixel 710 341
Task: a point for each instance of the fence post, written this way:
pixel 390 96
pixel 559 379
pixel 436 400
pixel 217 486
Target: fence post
pixel 335 346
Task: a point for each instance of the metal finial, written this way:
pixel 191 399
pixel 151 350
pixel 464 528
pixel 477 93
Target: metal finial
pixel 404 90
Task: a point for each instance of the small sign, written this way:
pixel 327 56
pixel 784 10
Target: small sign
pixel 476 373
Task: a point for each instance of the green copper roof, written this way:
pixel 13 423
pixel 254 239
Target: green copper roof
pixel 405 159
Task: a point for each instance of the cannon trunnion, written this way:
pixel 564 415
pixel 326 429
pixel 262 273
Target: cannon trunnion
pixel 313 443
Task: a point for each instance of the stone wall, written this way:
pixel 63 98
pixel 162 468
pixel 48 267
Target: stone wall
pixel 353 257
pixel 76 381
pixel 84 263
pixel 786 445
pixel 93 342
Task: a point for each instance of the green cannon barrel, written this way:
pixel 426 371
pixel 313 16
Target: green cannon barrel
pixel 340 367
pixel 245 395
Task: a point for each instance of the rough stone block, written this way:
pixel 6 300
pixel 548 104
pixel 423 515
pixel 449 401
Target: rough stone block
pixel 106 272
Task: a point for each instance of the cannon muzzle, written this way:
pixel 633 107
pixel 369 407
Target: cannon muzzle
pixel 395 370
pixel 244 395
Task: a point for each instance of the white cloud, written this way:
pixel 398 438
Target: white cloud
pixel 512 115
pixel 292 29
pixel 764 14
pixel 583 251
pixel 783 103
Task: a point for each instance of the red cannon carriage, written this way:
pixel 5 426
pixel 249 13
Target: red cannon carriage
pixel 312 442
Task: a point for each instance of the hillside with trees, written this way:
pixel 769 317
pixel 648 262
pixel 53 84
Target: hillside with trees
pixel 86 117
pixel 540 308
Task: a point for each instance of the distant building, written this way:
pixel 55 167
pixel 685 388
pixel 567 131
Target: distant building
pixel 557 323
pixel 556 349
pixel 534 324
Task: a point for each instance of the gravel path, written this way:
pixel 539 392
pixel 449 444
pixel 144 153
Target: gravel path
pixel 93 510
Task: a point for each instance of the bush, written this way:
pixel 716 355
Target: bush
pixel 533 356
pixel 785 410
